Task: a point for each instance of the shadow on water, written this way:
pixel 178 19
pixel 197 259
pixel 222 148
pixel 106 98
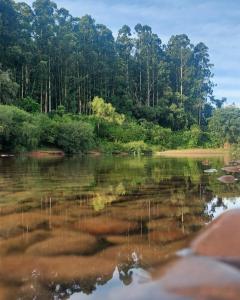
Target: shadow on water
pixel 83 227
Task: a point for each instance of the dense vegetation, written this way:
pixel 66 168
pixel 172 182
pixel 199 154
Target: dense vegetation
pixel 52 66
pixel 105 130
pixel 58 59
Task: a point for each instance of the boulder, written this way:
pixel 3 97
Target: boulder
pixel 221 238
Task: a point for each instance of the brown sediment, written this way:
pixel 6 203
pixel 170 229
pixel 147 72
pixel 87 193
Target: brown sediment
pixel 167 235
pixel 20 243
pixel 94 153
pixel 105 225
pixel 65 242
pixel 47 154
pixel 18 223
pixel 19 269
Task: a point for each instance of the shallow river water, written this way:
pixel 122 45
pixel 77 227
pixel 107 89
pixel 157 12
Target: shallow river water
pixel 96 227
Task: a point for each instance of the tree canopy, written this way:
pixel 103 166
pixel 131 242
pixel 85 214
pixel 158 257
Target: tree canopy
pixel 61 60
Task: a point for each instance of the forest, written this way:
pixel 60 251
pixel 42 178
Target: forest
pixel 74 73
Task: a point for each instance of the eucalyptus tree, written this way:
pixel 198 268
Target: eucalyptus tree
pixel 9 33
pixel 61 60
pixel 124 47
pixel 44 27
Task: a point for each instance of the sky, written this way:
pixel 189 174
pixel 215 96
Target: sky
pixel 214 22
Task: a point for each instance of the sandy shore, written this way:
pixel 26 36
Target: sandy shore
pixel 194 153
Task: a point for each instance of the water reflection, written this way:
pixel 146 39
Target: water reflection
pixel 87 227
pixel 219 205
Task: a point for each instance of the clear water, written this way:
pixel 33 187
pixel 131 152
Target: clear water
pixel 90 227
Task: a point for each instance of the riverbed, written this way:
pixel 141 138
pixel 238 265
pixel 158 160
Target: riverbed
pixel 92 227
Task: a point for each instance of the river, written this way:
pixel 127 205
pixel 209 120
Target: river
pixel 92 227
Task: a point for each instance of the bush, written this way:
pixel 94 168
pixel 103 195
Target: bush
pixel 74 136
pixel 47 128
pixel 157 135
pixel 18 131
pixel 111 147
pixel 224 125
pixel 137 148
pixel 28 104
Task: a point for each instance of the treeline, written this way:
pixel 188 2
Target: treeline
pixel 60 60
pixel 105 132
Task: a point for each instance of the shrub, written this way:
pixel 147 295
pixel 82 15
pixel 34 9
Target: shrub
pixel 28 104
pixel 47 128
pixel 18 131
pixel 137 148
pixel 224 125
pixel 74 136
pixel 157 135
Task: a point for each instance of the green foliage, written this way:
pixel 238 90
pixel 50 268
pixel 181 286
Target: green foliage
pixel 157 135
pixel 74 137
pixel 18 129
pixel 193 138
pixel 60 110
pixel 48 129
pixel 224 125
pixel 125 133
pixel 61 60
pixel 111 147
pixel 28 104
pixel 137 148
pixel 8 88
pixel 106 111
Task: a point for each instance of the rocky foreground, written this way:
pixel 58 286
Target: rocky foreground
pixel 209 270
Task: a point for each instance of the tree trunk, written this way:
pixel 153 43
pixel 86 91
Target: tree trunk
pixel 49 87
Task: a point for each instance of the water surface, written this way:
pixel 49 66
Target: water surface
pixel 89 227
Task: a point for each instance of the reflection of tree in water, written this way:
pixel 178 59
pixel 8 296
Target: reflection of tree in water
pixel 88 286
pixel 85 286
pixel 219 203
pixel 176 191
pixel 126 273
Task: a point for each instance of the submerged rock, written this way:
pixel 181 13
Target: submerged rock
pixel 187 279
pixel 227 179
pixel 235 169
pixel 211 171
pixel 65 243
pixel 20 243
pixel 166 236
pixel 106 225
pixel 15 224
pixel 20 269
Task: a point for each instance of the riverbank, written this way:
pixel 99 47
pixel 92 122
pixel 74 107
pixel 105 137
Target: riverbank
pixel 73 134
pixel 193 152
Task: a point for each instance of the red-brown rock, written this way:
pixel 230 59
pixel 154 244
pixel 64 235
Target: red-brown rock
pixel 227 179
pixel 221 238
pixel 189 279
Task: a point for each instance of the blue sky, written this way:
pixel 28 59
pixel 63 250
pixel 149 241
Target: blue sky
pixel 214 22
